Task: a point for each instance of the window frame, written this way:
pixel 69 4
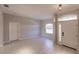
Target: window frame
pixel 49 30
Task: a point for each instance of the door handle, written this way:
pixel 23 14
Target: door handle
pixel 62 33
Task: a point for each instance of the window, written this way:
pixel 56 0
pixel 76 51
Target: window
pixel 68 17
pixel 49 28
pixel 59 32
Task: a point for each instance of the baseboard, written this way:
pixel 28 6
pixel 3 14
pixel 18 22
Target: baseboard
pixel 10 42
pixel 69 47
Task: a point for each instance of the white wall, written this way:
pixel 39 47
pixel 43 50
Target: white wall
pixel 1 28
pixel 27 27
pixel 29 30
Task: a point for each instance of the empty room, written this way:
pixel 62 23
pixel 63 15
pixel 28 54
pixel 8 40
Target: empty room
pixel 39 28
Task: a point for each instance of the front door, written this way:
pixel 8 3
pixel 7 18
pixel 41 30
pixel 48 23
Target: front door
pixel 69 33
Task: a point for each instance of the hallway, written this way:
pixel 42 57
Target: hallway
pixel 34 46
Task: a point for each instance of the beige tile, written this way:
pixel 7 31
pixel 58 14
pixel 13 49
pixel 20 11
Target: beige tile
pixel 34 46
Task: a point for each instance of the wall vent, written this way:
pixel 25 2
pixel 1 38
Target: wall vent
pixel 5 5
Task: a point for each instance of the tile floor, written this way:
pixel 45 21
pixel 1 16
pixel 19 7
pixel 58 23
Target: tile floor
pixel 35 46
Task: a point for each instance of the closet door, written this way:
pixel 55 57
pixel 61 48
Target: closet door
pixel 13 26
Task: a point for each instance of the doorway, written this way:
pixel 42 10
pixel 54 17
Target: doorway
pixel 13 28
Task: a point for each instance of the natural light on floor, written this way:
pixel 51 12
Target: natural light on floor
pixel 26 50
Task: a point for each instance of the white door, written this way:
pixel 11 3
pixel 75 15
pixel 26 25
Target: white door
pixel 69 33
pixel 13 31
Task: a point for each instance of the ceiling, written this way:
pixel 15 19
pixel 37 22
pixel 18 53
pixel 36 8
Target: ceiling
pixel 37 11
